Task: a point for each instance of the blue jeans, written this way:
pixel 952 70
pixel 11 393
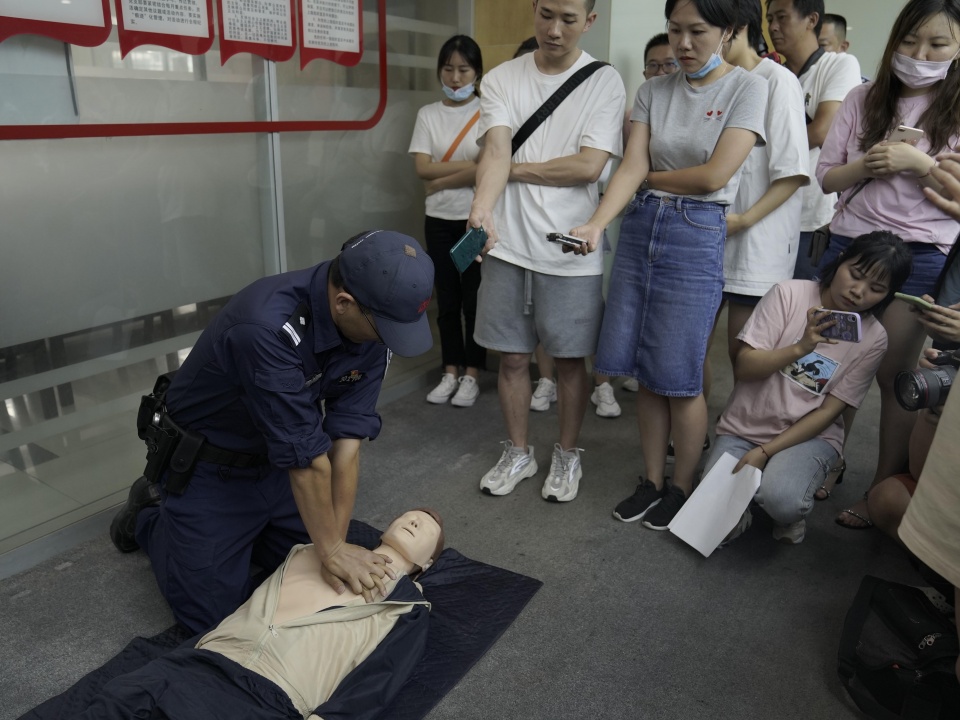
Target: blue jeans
pixel 665 289
pixel 928 263
pixel 790 478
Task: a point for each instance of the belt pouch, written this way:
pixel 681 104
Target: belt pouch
pixel 160 446
pixel 183 461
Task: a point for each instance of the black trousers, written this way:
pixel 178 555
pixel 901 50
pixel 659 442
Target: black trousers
pixel 456 295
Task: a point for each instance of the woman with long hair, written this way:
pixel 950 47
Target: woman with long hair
pixel 918 86
pixel 444 147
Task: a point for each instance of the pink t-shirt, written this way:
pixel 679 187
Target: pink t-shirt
pixel 759 410
pixel 895 203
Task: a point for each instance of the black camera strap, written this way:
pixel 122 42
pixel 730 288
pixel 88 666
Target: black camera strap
pixel 553 102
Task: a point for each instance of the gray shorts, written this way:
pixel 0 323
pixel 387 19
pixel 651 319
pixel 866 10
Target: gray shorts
pixel 517 308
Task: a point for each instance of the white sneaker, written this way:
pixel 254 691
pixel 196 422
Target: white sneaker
pixel 563 480
pixel 514 465
pixel 442 392
pixel 466 393
pixel 791 534
pixel 606 403
pixel 741 527
pixel 545 394
pixel 631 385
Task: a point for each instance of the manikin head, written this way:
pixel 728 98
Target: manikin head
pixel 417 535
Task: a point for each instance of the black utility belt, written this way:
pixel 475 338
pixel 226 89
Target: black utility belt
pixel 211 453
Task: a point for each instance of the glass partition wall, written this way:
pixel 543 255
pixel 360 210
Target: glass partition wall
pixel 117 251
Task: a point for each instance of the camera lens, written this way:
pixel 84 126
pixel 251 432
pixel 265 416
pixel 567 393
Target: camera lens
pixel 923 388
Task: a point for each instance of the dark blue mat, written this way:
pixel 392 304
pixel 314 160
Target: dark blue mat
pixel 472 604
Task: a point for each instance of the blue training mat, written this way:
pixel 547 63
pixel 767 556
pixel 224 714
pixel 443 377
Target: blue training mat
pixel 472 604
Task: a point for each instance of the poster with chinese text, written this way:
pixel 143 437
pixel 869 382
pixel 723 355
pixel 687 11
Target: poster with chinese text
pixel 331 30
pixel 182 25
pixel 260 27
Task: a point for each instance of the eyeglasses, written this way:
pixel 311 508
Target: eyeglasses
pixel 364 311
pixel 670 66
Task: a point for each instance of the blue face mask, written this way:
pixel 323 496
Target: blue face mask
pixel 712 64
pixel 458 95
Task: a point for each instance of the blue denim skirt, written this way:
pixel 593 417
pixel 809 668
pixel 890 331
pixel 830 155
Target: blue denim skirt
pixel 928 263
pixel 665 288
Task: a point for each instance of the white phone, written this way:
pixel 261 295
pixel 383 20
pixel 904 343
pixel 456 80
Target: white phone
pixel 905 133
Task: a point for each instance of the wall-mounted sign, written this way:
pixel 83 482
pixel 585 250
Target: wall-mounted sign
pixel 331 30
pixel 260 27
pixel 81 22
pixel 182 25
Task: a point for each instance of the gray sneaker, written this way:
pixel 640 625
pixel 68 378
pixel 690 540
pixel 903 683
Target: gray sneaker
pixel 544 394
pixel 791 534
pixel 563 480
pixel 603 398
pixel 512 467
pixel 442 392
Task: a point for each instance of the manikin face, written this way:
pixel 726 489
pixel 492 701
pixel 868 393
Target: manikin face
pixel 414 535
pixel 936 40
pixel 854 290
pixel 660 61
pixel 692 39
pixel 830 41
pixel 558 25
pixel 457 72
pixel 788 28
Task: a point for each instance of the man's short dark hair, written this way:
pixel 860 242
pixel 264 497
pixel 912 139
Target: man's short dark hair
pixel 751 16
pixel 333 276
pixel 589 5
pixel 839 23
pixel 808 7
pixel 655 41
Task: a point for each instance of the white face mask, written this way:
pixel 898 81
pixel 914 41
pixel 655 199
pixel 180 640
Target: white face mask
pixel 917 74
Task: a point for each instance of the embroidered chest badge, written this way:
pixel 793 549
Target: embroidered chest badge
pixel 354 376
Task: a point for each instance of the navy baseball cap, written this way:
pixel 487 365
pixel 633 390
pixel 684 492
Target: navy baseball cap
pixel 392 277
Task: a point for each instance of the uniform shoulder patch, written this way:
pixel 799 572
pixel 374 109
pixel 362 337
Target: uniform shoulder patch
pixel 298 323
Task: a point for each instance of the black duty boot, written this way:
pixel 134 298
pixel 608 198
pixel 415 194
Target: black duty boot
pixel 143 494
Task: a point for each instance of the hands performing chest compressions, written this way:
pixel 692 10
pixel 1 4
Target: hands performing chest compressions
pixel 254 446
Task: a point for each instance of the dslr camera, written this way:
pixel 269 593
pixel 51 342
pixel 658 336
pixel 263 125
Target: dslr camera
pixel 926 388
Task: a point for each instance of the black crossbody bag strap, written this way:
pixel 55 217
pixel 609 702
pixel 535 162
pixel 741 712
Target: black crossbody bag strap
pixel 552 102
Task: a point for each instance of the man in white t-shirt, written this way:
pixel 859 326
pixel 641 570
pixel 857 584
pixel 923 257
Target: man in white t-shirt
pixel 532 291
pixel 825 78
pixel 833 36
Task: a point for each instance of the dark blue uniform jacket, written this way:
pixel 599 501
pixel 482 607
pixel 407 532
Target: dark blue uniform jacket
pixel 271 374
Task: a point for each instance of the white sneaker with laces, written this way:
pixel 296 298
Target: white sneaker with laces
pixel 791 534
pixel 631 385
pixel 467 392
pixel 512 467
pixel 442 392
pixel 602 397
pixel 544 394
pixel 563 480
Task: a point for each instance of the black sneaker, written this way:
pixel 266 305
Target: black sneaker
pixel 664 512
pixel 637 505
pixel 143 494
pixel 671 455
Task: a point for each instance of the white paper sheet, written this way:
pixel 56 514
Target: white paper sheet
pixel 715 507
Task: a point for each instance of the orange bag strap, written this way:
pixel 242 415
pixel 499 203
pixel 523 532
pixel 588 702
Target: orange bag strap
pixel 463 133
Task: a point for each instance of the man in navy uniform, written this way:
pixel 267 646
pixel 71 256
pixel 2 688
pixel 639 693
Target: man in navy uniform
pixel 268 412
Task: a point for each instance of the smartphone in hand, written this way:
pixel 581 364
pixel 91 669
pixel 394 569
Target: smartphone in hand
pixel 467 248
pixel 914 300
pixel 568 240
pixel 905 133
pixel 847 327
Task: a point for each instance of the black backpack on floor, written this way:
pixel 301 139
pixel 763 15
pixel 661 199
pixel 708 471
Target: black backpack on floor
pixel 898 654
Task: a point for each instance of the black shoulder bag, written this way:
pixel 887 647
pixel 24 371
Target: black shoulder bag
pixel 553 102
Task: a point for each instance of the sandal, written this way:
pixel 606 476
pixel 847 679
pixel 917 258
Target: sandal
pixel 821 492
pixel 867 522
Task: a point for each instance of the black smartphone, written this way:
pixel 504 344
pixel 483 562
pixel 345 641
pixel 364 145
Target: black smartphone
pixel 468 247
pixel 568 240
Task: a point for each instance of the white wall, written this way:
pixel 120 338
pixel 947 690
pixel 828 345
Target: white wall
pixel 632 24
pixel 869 23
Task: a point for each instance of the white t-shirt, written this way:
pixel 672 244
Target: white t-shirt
pixel 591 116
pixel 438 125
pixel 758 257
pixel 829 80
pixel 760 410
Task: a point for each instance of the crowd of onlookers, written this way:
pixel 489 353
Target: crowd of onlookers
pixel 777 183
